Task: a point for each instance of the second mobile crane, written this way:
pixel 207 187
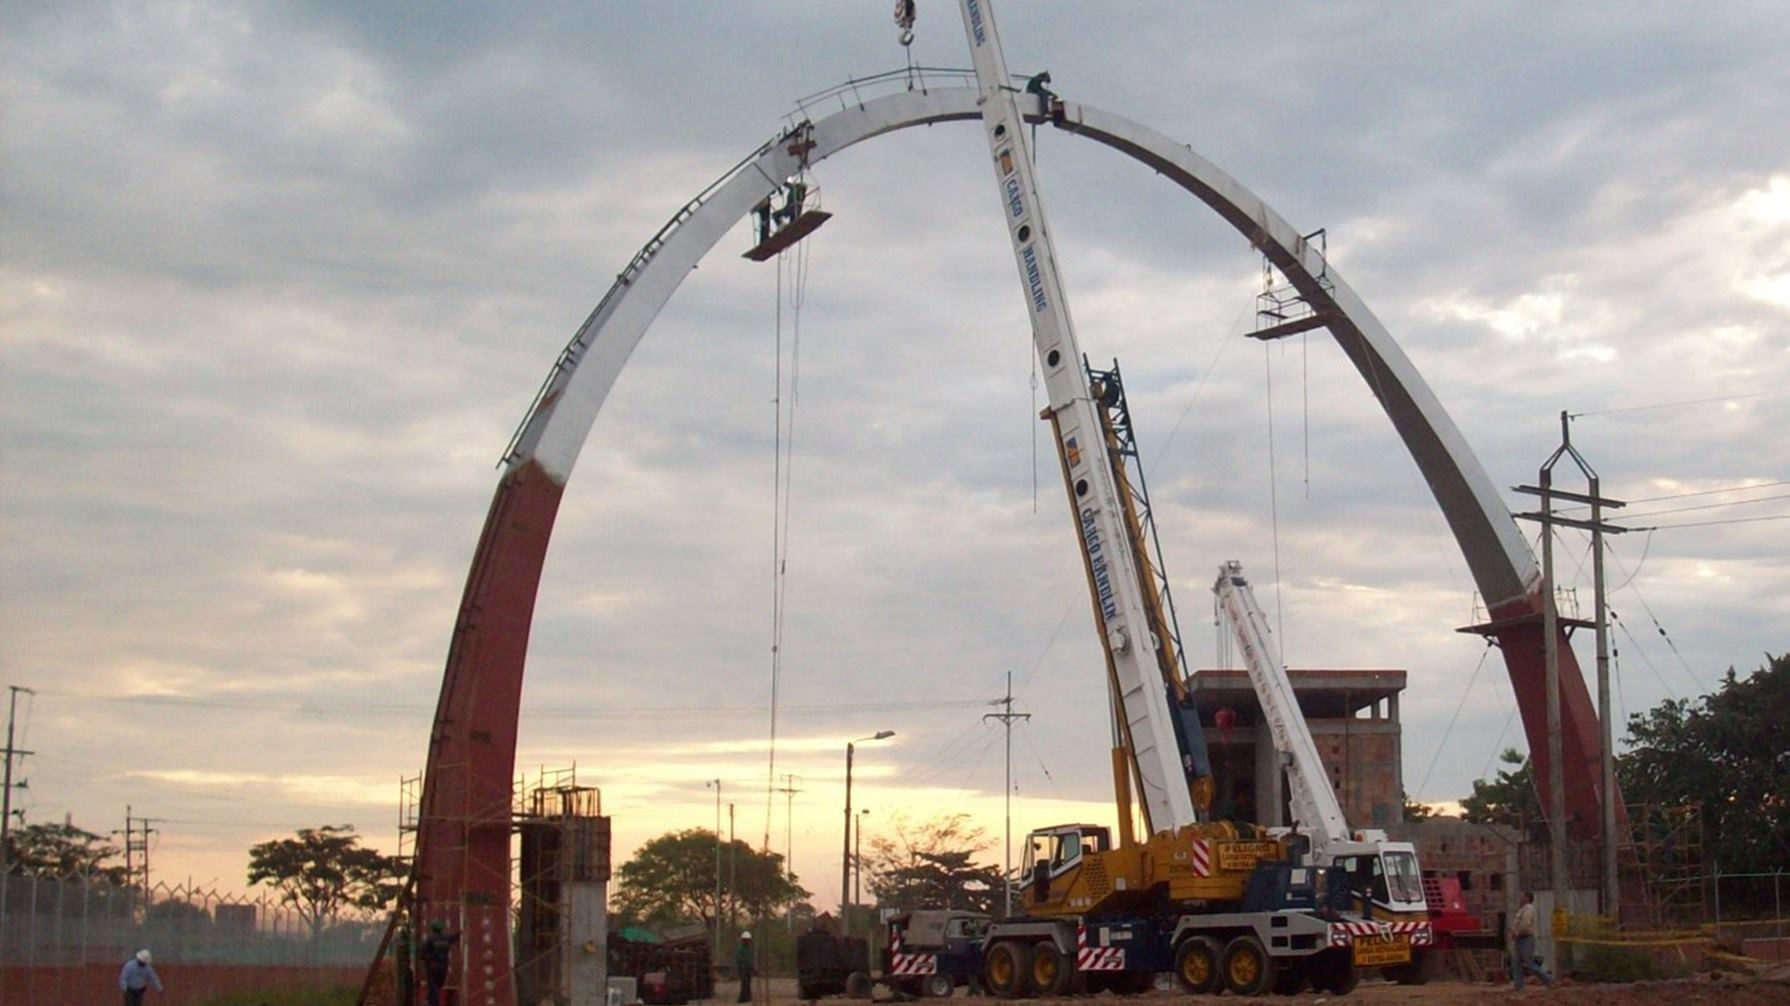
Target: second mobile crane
pixel 1215 902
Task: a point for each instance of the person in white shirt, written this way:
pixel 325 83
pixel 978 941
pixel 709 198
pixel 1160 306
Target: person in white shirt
pixel 136 979
pixel 1524 960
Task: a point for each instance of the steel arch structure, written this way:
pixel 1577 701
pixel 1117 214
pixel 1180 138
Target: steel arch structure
pixel 463 841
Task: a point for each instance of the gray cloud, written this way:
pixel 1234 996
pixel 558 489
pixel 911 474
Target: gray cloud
pixel 278 281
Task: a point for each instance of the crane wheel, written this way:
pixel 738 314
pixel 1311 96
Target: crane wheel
pixel 1246 968
pixel 937 986
pixel 1007 970
pixel 1051 970
pixel 1196 965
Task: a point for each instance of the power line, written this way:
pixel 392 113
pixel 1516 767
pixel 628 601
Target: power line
pixel 1706 506
pixel 1714 523
pixel 1443 743
pixel 1699 492
pixel 1674 405
pixel 336 709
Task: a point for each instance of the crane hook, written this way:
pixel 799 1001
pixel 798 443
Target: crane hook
pixel 904 19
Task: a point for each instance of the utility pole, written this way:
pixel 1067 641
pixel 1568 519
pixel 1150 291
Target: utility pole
pixel 10 752
pixel 733 870
pixel 789 791
pixel 1007 716
pixel 1551 622
pixel 136 849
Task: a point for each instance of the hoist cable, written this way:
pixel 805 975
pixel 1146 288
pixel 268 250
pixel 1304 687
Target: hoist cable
pixel 1280 610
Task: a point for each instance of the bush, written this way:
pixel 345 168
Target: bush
pixel 1621 964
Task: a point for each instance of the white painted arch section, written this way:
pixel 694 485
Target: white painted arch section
pixel 1503 567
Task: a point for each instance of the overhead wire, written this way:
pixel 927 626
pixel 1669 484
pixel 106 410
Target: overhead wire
pixel 1688 495
pixel 1447 731
pixel 1705 506
pixel 1039 758
pixel 1716 523
pixel 1677 404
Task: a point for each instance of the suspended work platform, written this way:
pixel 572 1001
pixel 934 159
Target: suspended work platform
pixel 794 231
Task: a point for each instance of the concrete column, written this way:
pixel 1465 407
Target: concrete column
pixel 586 943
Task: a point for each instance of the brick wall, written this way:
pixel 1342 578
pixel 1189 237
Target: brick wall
pixel 186 984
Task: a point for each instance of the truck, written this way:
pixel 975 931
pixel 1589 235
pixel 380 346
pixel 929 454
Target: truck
pixel 1220 904
pixel 934 952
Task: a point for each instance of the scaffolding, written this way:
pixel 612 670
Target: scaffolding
pixel 1669 861
pixel 562 880
pixel 560 871
pixel 1280 309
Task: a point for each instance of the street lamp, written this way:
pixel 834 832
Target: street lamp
pixel 845 851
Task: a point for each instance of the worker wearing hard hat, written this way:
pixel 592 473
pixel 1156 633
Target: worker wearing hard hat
pixel 136 978
pixel 743 961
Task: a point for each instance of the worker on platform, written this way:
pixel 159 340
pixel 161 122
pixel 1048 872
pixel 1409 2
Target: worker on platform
pixel 436 951
pixel 136 979
pixel 1525 961
pixel 743 961
pixel 762 213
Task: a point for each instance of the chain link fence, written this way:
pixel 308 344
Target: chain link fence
pixel 74 919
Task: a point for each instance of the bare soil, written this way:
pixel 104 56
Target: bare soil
pixel 1718 989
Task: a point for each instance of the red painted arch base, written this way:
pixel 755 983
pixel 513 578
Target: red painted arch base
pixel 463 836
pixel 1520 637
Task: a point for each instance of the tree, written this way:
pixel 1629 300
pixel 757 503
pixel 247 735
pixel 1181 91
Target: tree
pixel 1509 799
pixel 324 871
pixel 932 866
pixel 671 879
pixel 1730 752
pixel 63 849
pixel 1416 810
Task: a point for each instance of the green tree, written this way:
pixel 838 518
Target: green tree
pixel 932 865
pixel 671 879
pixel 63 849
pixel 324 871
pixel 1730 752
pixel 1416 810
pixel 1509 799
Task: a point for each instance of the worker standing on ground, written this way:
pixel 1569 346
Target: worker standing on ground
pixel 436 951
pixel 136 978
pixel 743 960
pixel 1524 960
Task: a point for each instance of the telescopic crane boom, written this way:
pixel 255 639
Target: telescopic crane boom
pixel 1142 680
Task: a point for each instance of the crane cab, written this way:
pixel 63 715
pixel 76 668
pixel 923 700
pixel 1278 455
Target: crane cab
pixel 1057 855
pixel 1384 880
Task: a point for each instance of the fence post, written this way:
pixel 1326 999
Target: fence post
pixel 31 958
pixel 1718 898
pixel 1777 902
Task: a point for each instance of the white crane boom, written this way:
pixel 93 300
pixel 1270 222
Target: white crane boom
pixel 1314 802
pixel 1141 693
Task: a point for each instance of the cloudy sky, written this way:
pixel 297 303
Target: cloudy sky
pixel 278 281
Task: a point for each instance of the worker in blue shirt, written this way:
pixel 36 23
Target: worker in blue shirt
pixel 136 978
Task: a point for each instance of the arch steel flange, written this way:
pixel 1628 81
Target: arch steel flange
pixel 463 840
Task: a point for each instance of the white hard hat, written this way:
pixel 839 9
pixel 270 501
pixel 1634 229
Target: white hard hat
pixel 143 955
pixel 745 934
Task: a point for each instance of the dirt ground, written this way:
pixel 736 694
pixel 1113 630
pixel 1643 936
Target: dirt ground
pixel 1722 989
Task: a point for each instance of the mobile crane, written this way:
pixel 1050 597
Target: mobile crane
pixel 1212 901
pixel 1385 883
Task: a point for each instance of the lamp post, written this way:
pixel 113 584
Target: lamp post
pixel 845 850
